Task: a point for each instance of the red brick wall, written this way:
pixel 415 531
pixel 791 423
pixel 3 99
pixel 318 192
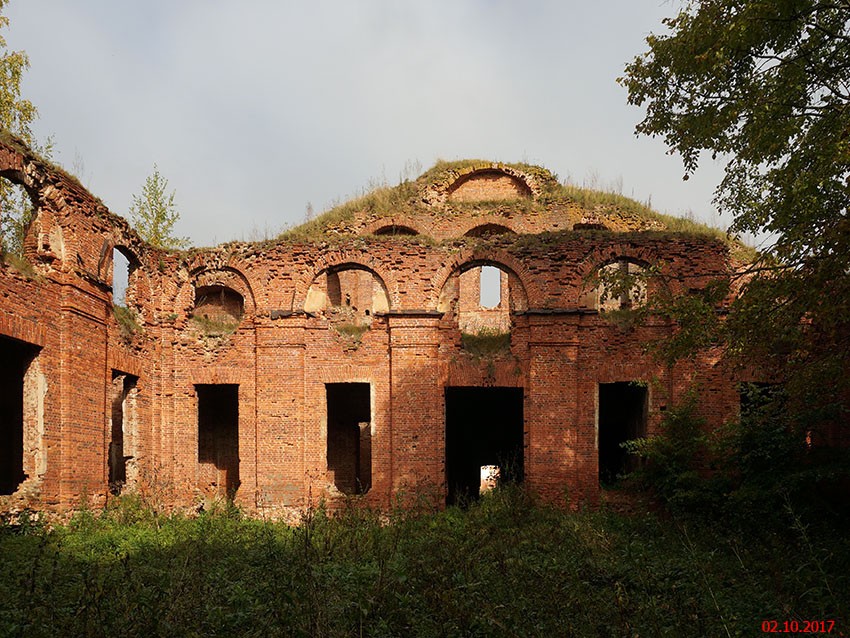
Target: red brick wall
pixel 281 358
pixel 488 186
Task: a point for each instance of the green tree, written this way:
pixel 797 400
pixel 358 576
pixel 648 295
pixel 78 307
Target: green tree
pixel 16 116
pixel 153 214
pixel 765 86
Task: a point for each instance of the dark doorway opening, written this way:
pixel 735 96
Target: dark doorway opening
pixel 16 357
pixel 218 438
pixel 622 416
pixel 122 387
pixel 484 427
pixel 350 436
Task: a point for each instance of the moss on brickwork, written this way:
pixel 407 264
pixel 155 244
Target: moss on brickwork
pixel 214 327
pixel 352 331
pixel 127 321
pixel 486 342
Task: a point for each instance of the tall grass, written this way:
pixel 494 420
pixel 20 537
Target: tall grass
pixel 504 567
pixel 379 199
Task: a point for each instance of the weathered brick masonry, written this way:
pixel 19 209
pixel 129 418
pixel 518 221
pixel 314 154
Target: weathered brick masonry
pixel 355 360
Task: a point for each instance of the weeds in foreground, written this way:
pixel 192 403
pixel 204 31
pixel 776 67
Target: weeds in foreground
pixel 504 566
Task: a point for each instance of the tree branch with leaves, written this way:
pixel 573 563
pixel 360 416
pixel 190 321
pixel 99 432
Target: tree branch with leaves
pixel 765 86
pixel 16 116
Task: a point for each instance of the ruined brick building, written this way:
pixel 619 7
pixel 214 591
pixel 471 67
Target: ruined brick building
pixel 353 355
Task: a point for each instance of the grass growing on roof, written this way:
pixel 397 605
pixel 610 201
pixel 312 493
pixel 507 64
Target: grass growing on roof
pixel 380 200
pixel 405 199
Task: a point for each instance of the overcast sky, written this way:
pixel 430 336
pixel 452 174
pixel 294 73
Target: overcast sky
pixel 252 109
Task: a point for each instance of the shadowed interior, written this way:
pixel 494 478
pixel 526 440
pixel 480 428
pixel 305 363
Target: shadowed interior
pixel 484 426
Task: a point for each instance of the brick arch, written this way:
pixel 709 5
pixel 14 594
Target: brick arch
pixel 602 256
pixel 468 228
pixel 402 221
pixel 474 257
pixel 517 180
pixel 396 229
pixel 226 276
pixel 343 261
pixel 15 166
pixel 22 167
pixel 644 256
pixel 250 289
pixel 70 225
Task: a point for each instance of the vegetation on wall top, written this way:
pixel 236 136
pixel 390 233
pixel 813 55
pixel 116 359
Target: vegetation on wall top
pixel 417 197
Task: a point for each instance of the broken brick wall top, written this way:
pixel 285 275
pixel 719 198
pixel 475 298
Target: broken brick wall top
pixel 456 204
pixel 474 198
pixel 375 292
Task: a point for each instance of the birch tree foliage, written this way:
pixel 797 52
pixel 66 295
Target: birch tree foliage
pixel 16 117
pixel 153 214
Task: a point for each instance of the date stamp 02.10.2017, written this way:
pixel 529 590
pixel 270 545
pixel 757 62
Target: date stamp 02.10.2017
pixel 800 627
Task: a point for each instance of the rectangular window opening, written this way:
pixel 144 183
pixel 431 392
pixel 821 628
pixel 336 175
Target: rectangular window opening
pixel 218 439
pixel 14 397
pixel 485 440
pixel 349 449
pixel 490 288
pixel 122 429
pixel 622 417
pixel 120 277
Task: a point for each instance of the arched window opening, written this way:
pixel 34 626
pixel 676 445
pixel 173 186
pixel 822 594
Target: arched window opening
pixel 488 185
pixel 16 219
pixel 347 295
pixel 621 286
pixel 489 230
pixel 120 277
pixel 484 301
pixel 218 309
pixel 124 294
pixel 395 230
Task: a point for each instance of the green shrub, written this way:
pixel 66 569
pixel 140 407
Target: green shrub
pixel 675 461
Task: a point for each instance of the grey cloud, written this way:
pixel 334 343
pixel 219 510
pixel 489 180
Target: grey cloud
pixel 253 109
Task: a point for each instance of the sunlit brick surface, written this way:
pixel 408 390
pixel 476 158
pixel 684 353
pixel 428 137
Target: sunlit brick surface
pixel 295 316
